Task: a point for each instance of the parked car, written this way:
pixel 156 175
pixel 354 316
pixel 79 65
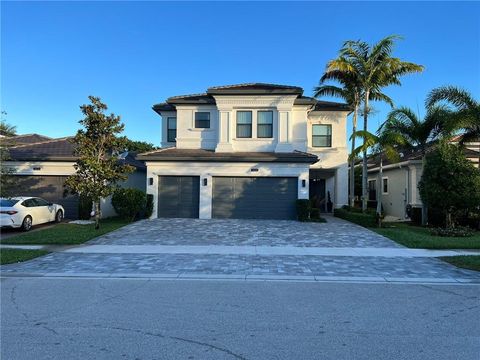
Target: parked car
pixel 25 212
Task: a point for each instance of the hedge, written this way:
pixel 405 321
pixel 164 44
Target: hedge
pixel 359 218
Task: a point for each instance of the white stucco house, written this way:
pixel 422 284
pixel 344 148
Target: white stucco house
pixel 247 151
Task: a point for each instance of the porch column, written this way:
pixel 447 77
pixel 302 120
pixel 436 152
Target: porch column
pixel 284 131
pixel 224 130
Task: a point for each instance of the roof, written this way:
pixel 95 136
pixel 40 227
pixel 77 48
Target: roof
pixel 208 98
pixel 24 139
pixel 174 154
pixel 61 149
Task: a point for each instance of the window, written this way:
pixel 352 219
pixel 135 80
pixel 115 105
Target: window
pixel 29 203
pixel 40 202
pixel 372 190
pixel 321 135
pixel 265 124
pixel 385 185
pixel 7 202
pixel 202 120
pixel 244 124
pixel 171 129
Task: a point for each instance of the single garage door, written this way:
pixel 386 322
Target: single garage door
pixel 50 188
pixel 178 196
pixel 254 197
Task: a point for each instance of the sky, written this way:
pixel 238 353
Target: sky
pixel 136 54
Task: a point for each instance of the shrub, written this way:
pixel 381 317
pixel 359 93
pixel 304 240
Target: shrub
pixel 314 213
pixel 415 214
pixel 459 231
pixel 367 219
pixel 303 209
pixel 149 206
pixel 128 203
pixel 84 207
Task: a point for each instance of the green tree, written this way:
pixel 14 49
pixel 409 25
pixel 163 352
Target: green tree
pixel 97 146
pixel 5 128
pixel 7 180
pixel 450 183
pixel 139 146
pixel 410 132
pixel 465 112
pixel 375 68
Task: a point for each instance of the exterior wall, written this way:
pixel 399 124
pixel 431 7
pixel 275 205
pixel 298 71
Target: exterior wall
pixel 136 179
pixel 395 201
pixel 188 137
pixel 207 170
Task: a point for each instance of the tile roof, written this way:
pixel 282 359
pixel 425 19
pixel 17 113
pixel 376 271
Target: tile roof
pixel 174 154
pixel 24 139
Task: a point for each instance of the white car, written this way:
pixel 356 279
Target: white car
pixel 24 212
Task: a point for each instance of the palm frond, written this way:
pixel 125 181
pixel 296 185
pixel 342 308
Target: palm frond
pixel 458 97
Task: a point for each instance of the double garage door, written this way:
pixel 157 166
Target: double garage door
pixel 232 197
pixel 50 188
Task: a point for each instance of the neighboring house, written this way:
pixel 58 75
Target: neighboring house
pixel 399 183
pixel 24 139
pixel 41 169
pixel 247 151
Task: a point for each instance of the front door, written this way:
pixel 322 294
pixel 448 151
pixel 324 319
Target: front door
pixel 317 194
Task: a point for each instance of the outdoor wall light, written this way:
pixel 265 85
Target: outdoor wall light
pixel 205 182
pixel 304 183
pixel 150 181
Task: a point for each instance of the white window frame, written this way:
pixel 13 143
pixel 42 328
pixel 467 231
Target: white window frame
pixel 383 186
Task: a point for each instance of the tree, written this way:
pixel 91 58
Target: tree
pixel 465 112
pixel 450 182
pixel 97 146
pixel 384 144
pixel 410 132
pixel 375 68
pixel 7 181
pixel 138 146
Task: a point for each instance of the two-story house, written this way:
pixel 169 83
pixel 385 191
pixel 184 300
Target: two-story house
pixel 247 151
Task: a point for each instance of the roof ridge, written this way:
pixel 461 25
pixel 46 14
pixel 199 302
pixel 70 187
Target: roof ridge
pixel 31 135
pixel 187 95
pixel 252 83
pixel 42 142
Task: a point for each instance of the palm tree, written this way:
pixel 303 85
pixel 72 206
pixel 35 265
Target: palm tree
pixel 7 129
pixel 466 112
pixel 407 131
pixel 383 144
pixel 375 68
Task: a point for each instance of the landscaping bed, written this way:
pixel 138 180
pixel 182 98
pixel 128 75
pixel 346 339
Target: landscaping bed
pixel 471 262
pixel 66 234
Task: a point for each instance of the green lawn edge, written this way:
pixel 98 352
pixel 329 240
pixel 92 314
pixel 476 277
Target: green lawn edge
pixel 66 234
pixel 470 262
pixel 12 256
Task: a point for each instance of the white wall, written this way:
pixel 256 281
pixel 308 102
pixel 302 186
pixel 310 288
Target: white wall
pixel 209 169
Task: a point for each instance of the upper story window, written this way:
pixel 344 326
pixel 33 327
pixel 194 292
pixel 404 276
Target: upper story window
pixel 265 124
pixel 321 135
pixel 244 124
pixel 171 129
pixel 202 120
pixel 385 185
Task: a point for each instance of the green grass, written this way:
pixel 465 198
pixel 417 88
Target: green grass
pixel 471 262
pixel 66 234
pixel 419 237
pixel 10 256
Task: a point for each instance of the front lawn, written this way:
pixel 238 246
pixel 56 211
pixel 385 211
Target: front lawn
pixel 66 234
pixel 471 262
pixel 419 237
pixel 10 256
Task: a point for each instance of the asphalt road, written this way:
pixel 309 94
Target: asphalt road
pixel 159 319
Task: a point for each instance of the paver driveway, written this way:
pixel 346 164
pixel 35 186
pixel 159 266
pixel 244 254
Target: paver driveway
pixel 334 233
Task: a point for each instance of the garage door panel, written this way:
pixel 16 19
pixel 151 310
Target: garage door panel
pixel 50 188
pixel 178 196
pixel 254 197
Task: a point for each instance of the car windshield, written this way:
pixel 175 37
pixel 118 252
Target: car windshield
pixel 7 202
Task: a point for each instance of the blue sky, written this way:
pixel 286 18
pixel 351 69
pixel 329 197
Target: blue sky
pixel 133 55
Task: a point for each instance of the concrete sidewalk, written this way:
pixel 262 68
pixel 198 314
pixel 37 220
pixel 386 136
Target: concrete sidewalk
pixel 247 250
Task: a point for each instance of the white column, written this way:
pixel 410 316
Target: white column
pixel 341 186
pixel 284 132
pixel 206 191
pixel 224 131
pixel 153 189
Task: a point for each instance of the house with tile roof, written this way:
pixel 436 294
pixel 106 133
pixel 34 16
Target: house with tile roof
pixel 247 151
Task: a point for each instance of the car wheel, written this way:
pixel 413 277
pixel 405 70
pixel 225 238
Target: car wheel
pixel 27 223
pixel 59 216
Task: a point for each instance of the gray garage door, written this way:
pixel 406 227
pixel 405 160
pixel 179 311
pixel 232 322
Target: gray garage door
pixel 50 188
pixel 178 196
pixel 254 197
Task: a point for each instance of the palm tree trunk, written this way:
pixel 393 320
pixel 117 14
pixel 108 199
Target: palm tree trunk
pixel 97 213
pixel 424 203
pixel 364 162
pixel 352 160
pixel 379 193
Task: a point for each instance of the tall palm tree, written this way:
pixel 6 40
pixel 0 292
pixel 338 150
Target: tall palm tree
pixel 466 112
pixel 350 90
pixel 7 129
pixel 407 131
pixel 375 68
